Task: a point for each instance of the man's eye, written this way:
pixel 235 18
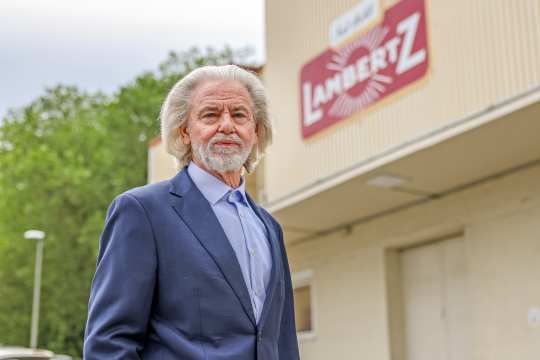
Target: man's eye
pixel 239 115
pixel 209 115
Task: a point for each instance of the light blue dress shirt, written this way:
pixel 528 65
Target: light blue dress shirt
pixel 245 231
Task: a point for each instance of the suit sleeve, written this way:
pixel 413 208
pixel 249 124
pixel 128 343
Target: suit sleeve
pixel 288 341
pixel 123 286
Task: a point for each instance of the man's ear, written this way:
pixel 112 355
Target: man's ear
pixel 259 132
pixel 184 134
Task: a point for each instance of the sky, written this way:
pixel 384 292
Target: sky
pixel 102 44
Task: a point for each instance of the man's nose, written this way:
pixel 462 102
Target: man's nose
pixel 226 124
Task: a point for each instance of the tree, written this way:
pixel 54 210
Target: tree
pixel 63 158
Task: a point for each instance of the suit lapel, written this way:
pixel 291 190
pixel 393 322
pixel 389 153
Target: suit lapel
pixel 276 261
pixel 197 214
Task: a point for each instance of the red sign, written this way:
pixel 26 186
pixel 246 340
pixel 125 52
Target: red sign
pixel 341 82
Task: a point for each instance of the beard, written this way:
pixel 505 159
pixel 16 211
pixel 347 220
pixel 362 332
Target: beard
pixel 221 159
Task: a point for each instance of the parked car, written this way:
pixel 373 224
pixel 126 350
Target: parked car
pixel 21 353
pixel 15 353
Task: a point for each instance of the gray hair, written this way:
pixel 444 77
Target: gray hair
pixel 176 108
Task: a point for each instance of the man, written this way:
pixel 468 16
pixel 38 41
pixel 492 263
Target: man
pixel 191 267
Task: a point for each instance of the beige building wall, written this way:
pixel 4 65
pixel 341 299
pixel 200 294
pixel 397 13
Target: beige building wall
pixel 482 54
pixel 161 164
pixel 472 158
pixel 357 311
pixel 365 249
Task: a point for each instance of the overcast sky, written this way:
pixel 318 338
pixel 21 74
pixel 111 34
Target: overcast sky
pixel 102 44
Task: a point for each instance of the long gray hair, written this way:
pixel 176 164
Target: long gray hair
pixel 176 108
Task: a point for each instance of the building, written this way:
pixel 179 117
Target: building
pixel 406 174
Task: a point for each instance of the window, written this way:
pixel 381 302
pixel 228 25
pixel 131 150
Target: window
pixel 303 303
pixel 302 306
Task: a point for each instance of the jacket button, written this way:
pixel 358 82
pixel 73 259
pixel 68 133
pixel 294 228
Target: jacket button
pixel 259 337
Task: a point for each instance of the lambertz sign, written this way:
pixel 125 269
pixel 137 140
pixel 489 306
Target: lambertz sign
pixel 342 81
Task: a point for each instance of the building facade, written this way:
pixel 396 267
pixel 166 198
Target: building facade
pixel 405 172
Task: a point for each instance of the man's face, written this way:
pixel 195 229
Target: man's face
pixel 220 129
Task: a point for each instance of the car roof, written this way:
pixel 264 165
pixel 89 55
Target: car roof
pixel 14 352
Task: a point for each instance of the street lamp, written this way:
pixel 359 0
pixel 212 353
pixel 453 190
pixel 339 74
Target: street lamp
pixel 37 235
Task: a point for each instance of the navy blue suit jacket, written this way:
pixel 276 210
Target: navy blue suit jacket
pixel 168 285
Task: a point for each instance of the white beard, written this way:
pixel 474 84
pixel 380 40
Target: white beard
pixel 221 160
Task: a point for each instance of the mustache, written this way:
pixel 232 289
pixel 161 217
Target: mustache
pixel 222 137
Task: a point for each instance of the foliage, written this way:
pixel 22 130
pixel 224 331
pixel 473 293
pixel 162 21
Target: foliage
pixel 63 158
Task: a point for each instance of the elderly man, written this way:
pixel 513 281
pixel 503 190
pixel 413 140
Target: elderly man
pixel 191 267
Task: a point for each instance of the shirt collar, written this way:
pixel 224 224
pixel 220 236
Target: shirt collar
pixel 210 186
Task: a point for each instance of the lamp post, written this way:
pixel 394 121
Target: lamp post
pixel 38 236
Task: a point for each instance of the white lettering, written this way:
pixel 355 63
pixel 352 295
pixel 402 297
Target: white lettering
pixel 391 47
pixel 319 96
pixel 378 61
pixel 310 116
pixel 353 21
pixel 362 68
pixel 333 86
pixel 349 77
pixel 409 26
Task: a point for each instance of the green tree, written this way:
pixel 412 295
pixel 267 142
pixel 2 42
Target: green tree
pixel 63 158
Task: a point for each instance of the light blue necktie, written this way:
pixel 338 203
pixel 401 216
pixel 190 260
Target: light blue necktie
pixel 255 243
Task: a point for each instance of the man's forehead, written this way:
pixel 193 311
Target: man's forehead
pixel 217 91
pixel 217 104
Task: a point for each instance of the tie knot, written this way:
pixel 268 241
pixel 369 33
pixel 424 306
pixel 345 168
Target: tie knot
pixel 235 197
